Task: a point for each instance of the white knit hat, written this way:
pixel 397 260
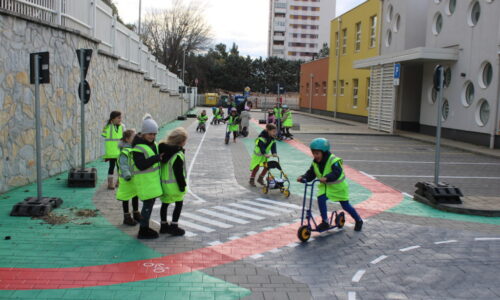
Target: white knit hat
pixel 149 125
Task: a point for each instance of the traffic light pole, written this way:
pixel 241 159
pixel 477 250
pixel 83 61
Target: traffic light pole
pixel 82 107
pixel 38 130
pixel 438 127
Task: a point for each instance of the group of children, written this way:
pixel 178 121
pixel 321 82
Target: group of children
pixel 147 171
pixel 326 167
pixel 281 116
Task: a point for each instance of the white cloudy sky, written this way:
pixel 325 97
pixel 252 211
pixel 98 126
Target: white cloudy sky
pixel 244 22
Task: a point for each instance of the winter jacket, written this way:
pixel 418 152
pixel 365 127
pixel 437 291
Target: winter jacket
pixel 139 159
pixel 169 151
pixel 333 176
pixel 262 146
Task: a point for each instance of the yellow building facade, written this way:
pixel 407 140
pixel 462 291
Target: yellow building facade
pixel 353 36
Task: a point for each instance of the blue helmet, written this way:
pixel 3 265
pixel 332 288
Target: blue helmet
pixel 320 144
pixel 285 106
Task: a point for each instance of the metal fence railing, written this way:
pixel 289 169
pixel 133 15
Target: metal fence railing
pixel 95 18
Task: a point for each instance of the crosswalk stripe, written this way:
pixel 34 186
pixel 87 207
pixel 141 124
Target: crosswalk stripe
pixel 205 220
pixel 196 226
pixel 223 216
pixel 278 203
pixel 239 213
pixel 190 234
pixel 266 206
pixel 255 210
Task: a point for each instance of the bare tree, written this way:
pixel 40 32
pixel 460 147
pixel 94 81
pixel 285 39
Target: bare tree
pixel 170 32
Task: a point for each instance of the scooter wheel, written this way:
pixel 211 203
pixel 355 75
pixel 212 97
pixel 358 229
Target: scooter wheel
pixel 265 190
pixel 286 193
pixel 304 233
pixel 340 220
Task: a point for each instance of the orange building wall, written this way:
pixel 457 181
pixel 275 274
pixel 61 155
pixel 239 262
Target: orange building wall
pixel 319 68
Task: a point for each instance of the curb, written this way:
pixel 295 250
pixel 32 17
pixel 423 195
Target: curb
pixel 453 208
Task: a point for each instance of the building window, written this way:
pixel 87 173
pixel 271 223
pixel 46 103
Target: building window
pixel 432 95
pixel 447 77
pixel 373 31
pixel 438 24
pixel 486 75
pixel 368 85
pixel 307 88
pixel 324 88
pixel 388 38
pixel 335 87
pixel 483 113
pixel 397 22
pixel 357 42
pixel 337 43
pixel 468 94
pixel 316 88
pixel 474 13
pixel 344 41
pixel 445 109
pixel 342 86
pixel 390 11
pixel 355 92
pixel 452 6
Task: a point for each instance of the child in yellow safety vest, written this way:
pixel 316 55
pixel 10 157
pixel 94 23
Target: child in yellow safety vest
pixel 287 122
pixel 233 124
pixel 333 185
pixel 112 134
pixel 126 188
pixel 265 147
pixel 147 159
pixel 202 121
pixel 173 179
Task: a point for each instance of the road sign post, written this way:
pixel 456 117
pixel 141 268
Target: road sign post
pixel 39 205
pixel 82 177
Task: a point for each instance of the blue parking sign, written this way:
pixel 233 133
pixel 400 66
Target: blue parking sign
pixel 397 71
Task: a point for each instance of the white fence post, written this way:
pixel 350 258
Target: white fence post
pixel 59 12
pixel 93 12
pixel 113 35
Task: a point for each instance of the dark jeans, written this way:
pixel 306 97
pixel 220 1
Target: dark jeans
pixel 345 206
pixel 147 209
pixel 176 214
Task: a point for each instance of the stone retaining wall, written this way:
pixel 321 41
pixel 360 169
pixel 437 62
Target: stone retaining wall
pixel 113 88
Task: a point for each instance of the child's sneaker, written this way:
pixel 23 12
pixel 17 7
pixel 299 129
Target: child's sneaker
pixel 358 226
pixel 252 182
pixel 137 216
pixel 127 220
pixel 323 226
pixel 164 228
pixel 146 233
pixel 175 230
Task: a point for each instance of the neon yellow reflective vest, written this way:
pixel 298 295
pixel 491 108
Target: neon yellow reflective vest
pixel 126 189
pixel 147 182
pixel 288 122
pixel 278 112
pixel 203 119
pixel 258 158
pixel 112 135
pixel 335 191
pixel 171 191
pixel 233 124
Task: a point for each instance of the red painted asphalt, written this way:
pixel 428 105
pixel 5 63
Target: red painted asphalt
pixel 382 198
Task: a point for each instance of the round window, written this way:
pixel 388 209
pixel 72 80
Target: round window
pixel 390 11
pixel 474 13
pixel 468 94
pixel 447 77
pixel 437 1
pixel 483 113
pixel 388 39
pixel 452 6
pixel 446 109
pixel 486 75
pixel 432 95
pixel 438 24
pixel 397 22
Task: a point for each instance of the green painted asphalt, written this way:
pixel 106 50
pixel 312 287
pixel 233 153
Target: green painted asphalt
pixel 194 285
pixel 89 242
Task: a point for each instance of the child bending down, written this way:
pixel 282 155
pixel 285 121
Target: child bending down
pixel 333 185
pixel 265 147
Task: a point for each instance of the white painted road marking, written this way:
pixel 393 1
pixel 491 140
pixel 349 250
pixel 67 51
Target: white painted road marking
pixel 266 206
pixel 255 210
pixel 421 162
pixel 378 259
pixel 256 256
pixel 196 226
pixel 278 203
pixel 358 275
pixel 215 243
pixel 292 245
pixel 409 248
pixel 367 175
pixel 429 176
pixel 205 220
pixel 351 296
pixel 446 242
pixel 487 239
pixel 275 250
pixel 239 213
pixel 232 238
pixel 251 233
pixel 223 216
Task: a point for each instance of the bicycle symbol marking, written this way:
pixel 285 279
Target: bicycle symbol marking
pixel 157 268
